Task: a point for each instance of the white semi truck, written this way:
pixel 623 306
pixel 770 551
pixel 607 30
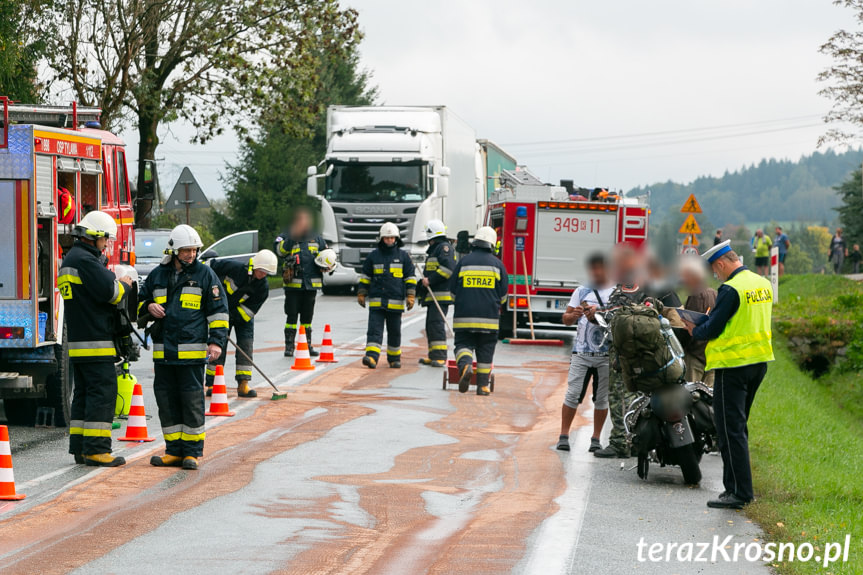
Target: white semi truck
pixel 400 164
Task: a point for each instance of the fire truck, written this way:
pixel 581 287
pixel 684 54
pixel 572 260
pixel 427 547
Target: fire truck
pixel 45 149
pixel 546 234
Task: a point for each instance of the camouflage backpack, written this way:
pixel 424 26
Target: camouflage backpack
pixel 645 356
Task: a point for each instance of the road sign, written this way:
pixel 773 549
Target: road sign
pixel 691 240
pixel 690 206
pixel 690 226
pixel 519 243
pixel 689 251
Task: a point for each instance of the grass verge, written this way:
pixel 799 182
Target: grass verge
pixel 807 457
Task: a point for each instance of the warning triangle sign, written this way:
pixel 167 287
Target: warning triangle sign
pixel 690 226
pixel 690 206
pixel 691 240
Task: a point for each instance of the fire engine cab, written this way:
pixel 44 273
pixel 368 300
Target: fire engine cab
pixel 546 235
pixel 56 165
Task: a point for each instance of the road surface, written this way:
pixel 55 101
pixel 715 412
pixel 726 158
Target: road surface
pixel 363 471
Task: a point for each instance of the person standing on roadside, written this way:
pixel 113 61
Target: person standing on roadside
pixel 589 360
pixel 838 251
pixel 783 243
pixel 90 296
pixel 855 257
pixel 739 335
pixel 717 239
pixel 186 300
pixel 702 298
pixel 440 262
pixel 761 243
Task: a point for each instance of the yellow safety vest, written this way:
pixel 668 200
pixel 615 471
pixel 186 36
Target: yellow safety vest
pixel 747 337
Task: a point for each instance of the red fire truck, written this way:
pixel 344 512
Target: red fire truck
pixel 546 234
pixel 43 150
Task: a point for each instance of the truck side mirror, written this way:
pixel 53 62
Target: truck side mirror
pixel 443 182
pixel 148 179
pixel 312 181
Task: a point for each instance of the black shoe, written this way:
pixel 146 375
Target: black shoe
pixel 79 459
pixel 369 362
pixel 289 352
pixel 610 452
pixel 563 443
pixel 313 352
pixel 595 445
pixel 396 364
pixel 464 378
pixel 727 501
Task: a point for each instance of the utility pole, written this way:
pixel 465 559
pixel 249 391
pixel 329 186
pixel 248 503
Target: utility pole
pixel 187 201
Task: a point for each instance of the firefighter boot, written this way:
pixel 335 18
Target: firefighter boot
pixel 79 459
pixel 190 463
pixel 103 460
pixel 243 389
pixel 166 461
pixel 483 390
pixel 464 377
pixel 370 362
pixel 290 335
pixel 312 351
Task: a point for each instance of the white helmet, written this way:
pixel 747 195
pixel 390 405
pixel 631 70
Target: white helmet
pixel 97 224
pixel 389 230
pixel 265 260
pixel 183 236
pixel 435 229
pixel 485 237
pixel 326 260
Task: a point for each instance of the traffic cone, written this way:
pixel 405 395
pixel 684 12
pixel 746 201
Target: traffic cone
pixel 136 425
pixel 302 359
pixel 7 478
pixel 327 355
pixel 219 399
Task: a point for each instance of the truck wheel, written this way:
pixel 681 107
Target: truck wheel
pixel 21 411
pixel 685 457
pixel 58 387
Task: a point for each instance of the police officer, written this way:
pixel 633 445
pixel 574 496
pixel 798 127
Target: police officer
pixel 440 261
pixel 190 310
pixel 246 289
pixel 301 276
pixel 90 296
pixel 738 332
pixel 478 284
pixel 389 283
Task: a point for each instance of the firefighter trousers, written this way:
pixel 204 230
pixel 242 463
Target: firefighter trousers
pixel 245 332
pixel 299 306
pixel 179 391
pixel 378 318
pixel 94 397
pixel 467 342
pixel 436 331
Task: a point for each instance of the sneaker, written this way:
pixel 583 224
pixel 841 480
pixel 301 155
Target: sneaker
pixel 563 443
pixel 610 452
pixel 369 362
pixel 595 445
pixel 727 501
pixel 464 378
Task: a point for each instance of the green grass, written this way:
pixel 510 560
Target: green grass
pixel 807 457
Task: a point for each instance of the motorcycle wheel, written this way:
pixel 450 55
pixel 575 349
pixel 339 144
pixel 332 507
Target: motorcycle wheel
pixel 688 462
pixel 643 466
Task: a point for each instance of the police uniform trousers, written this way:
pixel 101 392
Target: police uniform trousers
pixel 94 397
pixel 436 331
pixel 733 393
pixel 378 318
pixel 299 306
pixel 470 341
pixel 179 391
pixel 245 332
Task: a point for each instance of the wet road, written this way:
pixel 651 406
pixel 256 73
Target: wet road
pixel 362 471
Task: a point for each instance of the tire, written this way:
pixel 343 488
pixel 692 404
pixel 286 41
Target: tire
pixel 59 387
pixel 21 411
pixel 688 462
pixel 445 377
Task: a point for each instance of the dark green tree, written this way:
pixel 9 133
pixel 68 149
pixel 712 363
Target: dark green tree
pixel 20 50
pixel 851 210
pixel 269 180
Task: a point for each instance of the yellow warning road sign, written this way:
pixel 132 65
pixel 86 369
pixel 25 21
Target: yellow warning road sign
pixel 690 206
pixel 691 240
pixel 690 226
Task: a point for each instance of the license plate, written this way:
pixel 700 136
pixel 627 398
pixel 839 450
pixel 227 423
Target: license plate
pixel 560 304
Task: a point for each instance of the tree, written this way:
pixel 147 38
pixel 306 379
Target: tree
pixel 844 78
pixel 851 210
pixel 269 180
pixel 208 62
pixel 20 50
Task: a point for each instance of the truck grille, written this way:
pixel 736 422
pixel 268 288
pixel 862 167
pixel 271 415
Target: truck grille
pixel 359 232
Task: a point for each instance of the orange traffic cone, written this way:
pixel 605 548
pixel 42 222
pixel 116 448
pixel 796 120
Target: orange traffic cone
pixel 219 400
pixel 302 359
pixel 327 355
pixel 7 478
pixel 136 425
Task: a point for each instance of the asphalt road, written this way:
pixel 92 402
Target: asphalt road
pixel 362 471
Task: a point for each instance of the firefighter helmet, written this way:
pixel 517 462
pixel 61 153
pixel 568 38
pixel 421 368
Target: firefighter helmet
pixel 389 230
pixel 97 224
pixel 183 236
pixel 326 260
pixel 486 238
pixel 435 229
pixel 265 260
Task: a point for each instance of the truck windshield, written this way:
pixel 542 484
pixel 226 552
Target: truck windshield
pixel 372 182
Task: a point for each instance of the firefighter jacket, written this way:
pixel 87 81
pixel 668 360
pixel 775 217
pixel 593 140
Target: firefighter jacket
pixel 440 262
pixel 196 312
pixel 245 294
pixel 388 278
pixel 90 297
pixel 478 284
pixel 300 256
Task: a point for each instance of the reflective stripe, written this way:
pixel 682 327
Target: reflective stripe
pixel 245 312
pixel 394 351
pixel 460 353
pixel 91 349
pixel 192 291
pixel 210 371
pixel 396 306
pixel 411 281
pixel 119 290
pixel 76 427
pixel 483 367
pixel 294 284
pixel 474 323
pixel 375 302
pixel 445 272
pixel 441 296
pixel 291 326
pixel 316 283
pixel 374 348
pixel 217 317
pixel 97 433
pixel 247 372
pixel 479 271
pixel 230 285
pixel 158 351
pixel 192 351
pixel 192 437
pixel 160 295
pixel 68 275
pixel 364 279
pixel 96 429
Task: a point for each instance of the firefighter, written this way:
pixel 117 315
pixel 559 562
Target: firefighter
pixel 478 284
pixel 389 283
pixel 246 289
pixel 301 276
pixel 90 296
pixel 440 261
pixel 190 310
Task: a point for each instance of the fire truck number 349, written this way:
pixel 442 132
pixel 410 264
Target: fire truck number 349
pixel 589 225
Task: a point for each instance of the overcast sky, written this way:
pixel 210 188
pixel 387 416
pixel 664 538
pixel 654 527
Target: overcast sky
pixel 570 87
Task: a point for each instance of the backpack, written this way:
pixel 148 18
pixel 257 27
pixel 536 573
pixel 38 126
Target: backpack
pixel 646 359
pixel 65 206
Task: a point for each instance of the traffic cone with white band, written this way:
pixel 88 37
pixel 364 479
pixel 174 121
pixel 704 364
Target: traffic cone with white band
pixel 136 425
pixel 7 478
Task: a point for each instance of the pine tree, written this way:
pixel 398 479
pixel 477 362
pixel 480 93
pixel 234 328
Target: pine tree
pixel 851 210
